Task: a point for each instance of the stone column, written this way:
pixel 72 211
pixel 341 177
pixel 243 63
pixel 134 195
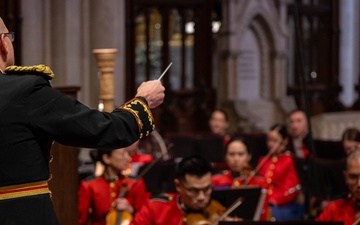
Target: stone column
pixel 347 73
pixel 107 30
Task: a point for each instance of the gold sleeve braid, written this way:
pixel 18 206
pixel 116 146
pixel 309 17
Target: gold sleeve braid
pixel 38 69
pixel 142 114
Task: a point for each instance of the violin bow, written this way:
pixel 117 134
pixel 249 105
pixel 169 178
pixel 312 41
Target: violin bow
pixel 356 221
pixel 258 167
pixel 233 206
pixel 122 193
pixel 164 152
pixel 148 167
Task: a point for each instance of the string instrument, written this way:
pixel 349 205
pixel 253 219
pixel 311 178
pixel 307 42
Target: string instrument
pixel 119 217
pixel 122 217
pixel 356 221
pixel 212 214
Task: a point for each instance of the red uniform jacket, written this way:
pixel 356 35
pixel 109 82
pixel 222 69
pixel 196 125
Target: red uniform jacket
pixel 342 210
pixel 281 178
pixel 141 158
pixel 165 210
pixel 98 196
pixel 225 179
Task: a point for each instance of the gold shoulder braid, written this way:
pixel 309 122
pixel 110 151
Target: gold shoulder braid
pixel 37 69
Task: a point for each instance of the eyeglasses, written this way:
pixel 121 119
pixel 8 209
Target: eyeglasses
pixel 10 35
pixel 196 191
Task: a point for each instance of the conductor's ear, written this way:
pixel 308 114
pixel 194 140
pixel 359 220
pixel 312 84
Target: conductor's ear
pixel 4 48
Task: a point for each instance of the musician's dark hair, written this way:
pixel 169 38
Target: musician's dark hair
pixel 296 111
pixel 102 152
pixel 192 165
pixel 281 129
pixel 237 138
pixel 351 134
pixel 226 115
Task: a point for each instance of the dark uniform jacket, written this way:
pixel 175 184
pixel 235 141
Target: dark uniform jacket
pixel 33 114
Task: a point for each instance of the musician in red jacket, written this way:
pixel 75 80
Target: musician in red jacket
pixel 219 124
pixel 237 158
pixel 111 191
pixel 346 210
pixel 239 174
pixel 193 201
pixel 281 176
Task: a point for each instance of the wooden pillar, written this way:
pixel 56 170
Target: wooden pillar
pixel 106 61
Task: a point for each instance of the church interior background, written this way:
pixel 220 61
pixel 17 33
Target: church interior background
pixel 257 59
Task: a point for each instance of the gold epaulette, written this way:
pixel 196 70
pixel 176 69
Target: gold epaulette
pixel 37 69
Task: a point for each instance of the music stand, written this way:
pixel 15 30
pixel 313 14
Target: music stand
pixel 160 178
pixel 252 204
pixel 210 146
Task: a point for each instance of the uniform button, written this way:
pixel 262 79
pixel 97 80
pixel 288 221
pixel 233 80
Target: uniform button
pixel 274 159
pixel 268 180
pixel 113 194
pixel 270 191
pixel 272 166
pixel 236 183
pixel 270 173
pixel 112 185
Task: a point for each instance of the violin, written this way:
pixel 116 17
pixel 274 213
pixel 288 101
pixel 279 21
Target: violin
pixel 119 217
pixel 212 214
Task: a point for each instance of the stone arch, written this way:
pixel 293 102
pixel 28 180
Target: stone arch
pixel 267 25
pixel 263 19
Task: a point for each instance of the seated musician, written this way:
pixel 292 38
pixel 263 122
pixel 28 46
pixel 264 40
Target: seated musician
pixel 350 139
pixel 299 138
pixel 237 158
pixel 281 176
pixel 346 210
pixel 101 197
pixel 219 123
pixel 190 205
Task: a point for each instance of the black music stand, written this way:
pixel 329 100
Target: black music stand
pixel 160 178
pixel 251 206
pixel 210 146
